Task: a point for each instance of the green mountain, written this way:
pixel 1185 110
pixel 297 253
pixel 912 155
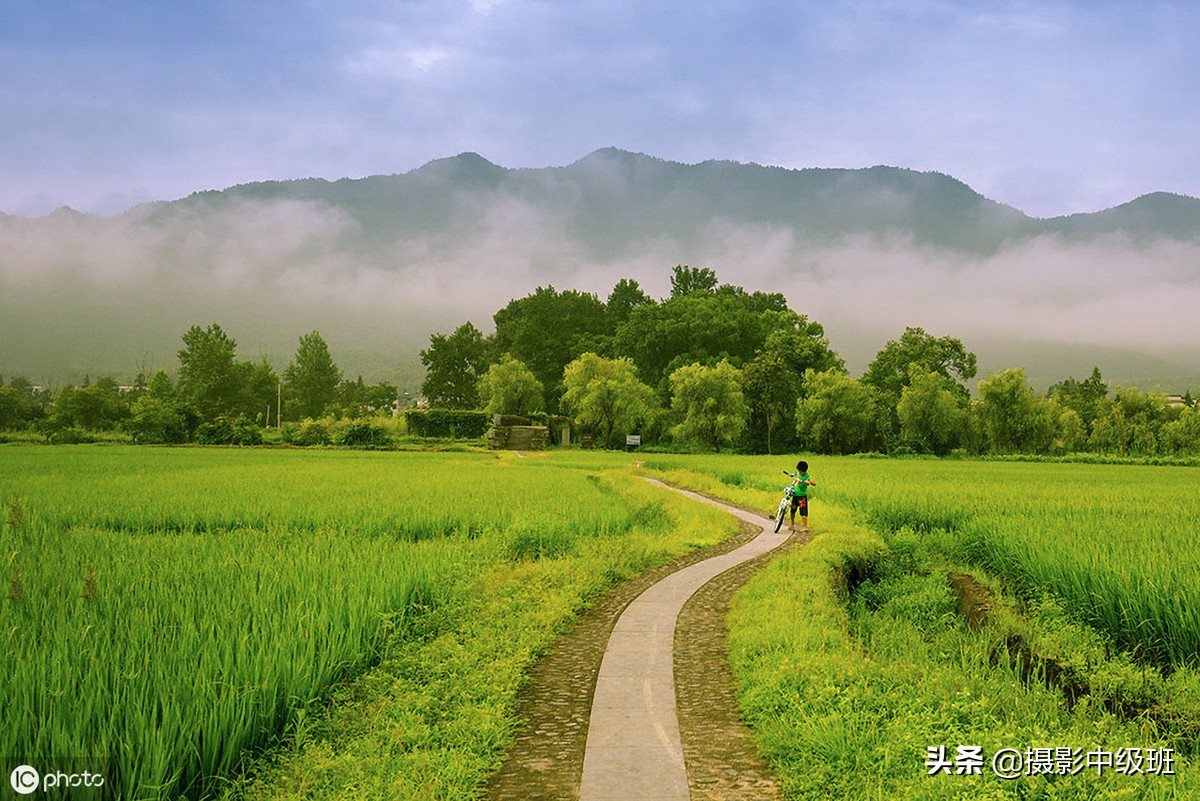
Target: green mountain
pixel 376 264
pixel 613 199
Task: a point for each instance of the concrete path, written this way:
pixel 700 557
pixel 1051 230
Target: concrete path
pixel 633 747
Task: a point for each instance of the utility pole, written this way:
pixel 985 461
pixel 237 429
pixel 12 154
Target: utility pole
pixel 279 406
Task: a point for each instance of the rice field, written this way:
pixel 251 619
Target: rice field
pixel 177 616
pixel 1117 543
pixel 167 612
pixel 856 658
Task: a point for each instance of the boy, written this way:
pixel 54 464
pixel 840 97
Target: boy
pixel 801 482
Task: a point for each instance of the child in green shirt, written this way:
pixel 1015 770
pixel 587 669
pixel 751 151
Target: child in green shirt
pixel 800 484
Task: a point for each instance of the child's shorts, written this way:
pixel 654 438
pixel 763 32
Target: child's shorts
pixel 800 503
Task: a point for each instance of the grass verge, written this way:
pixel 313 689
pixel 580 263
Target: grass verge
pixel 854 658
pixel 432 718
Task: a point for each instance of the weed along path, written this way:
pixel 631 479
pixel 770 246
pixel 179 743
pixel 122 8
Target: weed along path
pixel 662 723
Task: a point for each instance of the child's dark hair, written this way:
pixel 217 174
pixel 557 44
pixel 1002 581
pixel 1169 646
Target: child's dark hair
pixel 801 467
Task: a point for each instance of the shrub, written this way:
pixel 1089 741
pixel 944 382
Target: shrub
pixel 448 423
pixel 71 435
pixel 312 432
pixel 229 432
pixel 364 434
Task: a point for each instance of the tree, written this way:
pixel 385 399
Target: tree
pixel 511 388
pixel 838 414
pixel 1083 397
pixel 158 416
pixel 727 324
pixel 311 380
pixel 686 280
pixel 207 372
pixel 1072 432
pixel 774 379
pixel 626 296
pixel 1132 421
pixel 943 356
pixel 16 408
pixel 606 394
pixel 709 404
pixel 358 399
pixel 1181 437
pixel 257 391
pixel 454 363
pixel 548 329
pixel 771 388
pixel 1015 420
pixel 95 407
pixel 931 418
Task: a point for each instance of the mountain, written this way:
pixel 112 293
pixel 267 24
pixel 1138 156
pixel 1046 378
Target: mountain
pixel 376 264
pixel 614 199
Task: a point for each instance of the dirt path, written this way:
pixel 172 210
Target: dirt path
pixel 546 758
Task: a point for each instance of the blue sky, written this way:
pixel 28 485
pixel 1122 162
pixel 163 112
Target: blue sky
pixel 1052 107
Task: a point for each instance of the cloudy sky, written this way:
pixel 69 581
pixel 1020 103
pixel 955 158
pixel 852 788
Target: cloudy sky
pixel 1053 107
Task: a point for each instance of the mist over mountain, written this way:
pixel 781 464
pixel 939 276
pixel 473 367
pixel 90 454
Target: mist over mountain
pixel 377 264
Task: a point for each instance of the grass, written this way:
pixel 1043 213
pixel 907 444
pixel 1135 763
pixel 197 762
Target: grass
pixel 267 624
pixel 1113 542
pixel 172 612
pixel 853 658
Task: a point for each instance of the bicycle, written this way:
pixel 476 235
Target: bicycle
pixel 788 491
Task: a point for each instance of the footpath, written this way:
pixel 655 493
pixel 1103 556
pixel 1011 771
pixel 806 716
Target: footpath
pixel 637 701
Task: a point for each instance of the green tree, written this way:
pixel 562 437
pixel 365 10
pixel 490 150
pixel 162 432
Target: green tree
pixel 156 420
pixel 1084 397
pixel 511 388
pixel 454 363
pixel 709 404
pixel 16 408
pixel 257 391
pixel 95 407
pixel 930 416
pixel 686 280
pixel 1015 420
pixel 838 414
pixel 160 386
pixel 547 330
pixel 158 416
pixel 1072 433
pixel 311 380
pixel 771 388
pixel 626 296
pixel 707 327
pixel 358 399
pixel 208 376
pixel 606 394
pixel 1181 437
pixel 1131 422
pixel 944 356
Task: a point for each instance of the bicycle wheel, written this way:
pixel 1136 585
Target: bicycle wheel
pixel 780 515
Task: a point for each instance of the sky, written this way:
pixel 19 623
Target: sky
pixel 1051 107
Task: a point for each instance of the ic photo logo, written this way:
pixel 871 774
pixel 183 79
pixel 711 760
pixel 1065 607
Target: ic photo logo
pixel 24 779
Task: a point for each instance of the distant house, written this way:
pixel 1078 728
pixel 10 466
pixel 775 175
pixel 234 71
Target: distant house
pixel 1176 401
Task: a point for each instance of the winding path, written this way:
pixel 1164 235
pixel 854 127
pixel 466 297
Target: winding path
pixel 629 738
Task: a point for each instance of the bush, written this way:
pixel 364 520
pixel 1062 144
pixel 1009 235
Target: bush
pixel 448 423
pixel 364 434
pixel 71 435
pixel 311 432
pixel 226 432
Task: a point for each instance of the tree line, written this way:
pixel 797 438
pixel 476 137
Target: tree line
pixel 716 367
pixel 711 367
pixel 216 397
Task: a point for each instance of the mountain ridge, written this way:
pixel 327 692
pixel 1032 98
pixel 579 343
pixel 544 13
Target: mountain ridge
pixel 612 194
pixel 378 263
pixel 470 168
